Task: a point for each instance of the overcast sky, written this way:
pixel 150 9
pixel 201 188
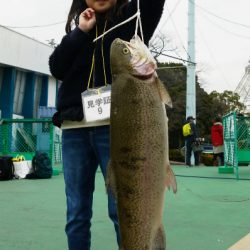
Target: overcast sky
pixel 222 33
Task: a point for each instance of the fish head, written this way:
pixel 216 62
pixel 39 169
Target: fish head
pixel 133 58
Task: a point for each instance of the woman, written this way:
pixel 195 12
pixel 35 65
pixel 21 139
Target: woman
pixel 82 64
pixel 217 141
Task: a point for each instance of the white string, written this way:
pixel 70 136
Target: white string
pixel 138 22
pixel 141 29
pixel 118 25
pixel 138 17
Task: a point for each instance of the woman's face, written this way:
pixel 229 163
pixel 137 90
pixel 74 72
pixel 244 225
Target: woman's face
pixel 101 6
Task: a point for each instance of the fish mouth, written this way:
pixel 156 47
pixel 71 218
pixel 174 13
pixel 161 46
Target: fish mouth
pixel 142 62
pixel 144 71
pixel 143 77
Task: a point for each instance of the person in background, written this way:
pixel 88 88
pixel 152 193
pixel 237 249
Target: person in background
pixel 82 64
pixel 190 142
pixel 217 142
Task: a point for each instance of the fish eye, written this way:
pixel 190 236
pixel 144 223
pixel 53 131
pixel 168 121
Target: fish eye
pixel 125 51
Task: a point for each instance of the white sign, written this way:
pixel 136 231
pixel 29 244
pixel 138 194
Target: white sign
pixel 96 104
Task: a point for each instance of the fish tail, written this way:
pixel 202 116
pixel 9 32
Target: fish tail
pixel 171 180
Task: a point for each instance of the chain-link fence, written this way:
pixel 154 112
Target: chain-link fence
pixel 26 136
pixel 236 140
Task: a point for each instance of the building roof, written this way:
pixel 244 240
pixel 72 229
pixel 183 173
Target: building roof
pixel 23 52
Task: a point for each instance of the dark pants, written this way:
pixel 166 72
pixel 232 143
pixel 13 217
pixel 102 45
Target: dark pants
pixel 189 150
pixel 83 150
pixel 221 158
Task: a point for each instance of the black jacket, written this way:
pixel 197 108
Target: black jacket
pixel 194 135
pixel 71 60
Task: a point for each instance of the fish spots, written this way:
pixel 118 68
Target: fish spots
pixel 130 193
pixel 135 101
pixel 128 165
pixel 125 150
pixel 138 159
pixel 133 162
pixel 132 219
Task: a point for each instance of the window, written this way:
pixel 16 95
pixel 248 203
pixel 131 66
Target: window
pixel 1 84
pixel 1 78
pixel 38 88
pixel 19 92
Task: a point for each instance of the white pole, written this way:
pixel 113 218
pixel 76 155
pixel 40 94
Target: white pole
pixel 191 88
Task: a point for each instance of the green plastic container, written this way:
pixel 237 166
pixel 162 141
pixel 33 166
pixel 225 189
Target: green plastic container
pixel 225 170
pixel 56 171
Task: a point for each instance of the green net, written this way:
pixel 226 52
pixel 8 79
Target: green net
pixel 26 136
pixel 243 132
pixel 236 140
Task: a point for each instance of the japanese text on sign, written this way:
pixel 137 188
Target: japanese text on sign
pixel 97 107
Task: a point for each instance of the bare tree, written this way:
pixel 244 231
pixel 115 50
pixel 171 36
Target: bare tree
pixel 159 45
pixel 52 42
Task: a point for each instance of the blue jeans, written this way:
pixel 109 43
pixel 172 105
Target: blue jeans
pixel 83 150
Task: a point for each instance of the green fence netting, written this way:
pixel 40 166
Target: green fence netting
pixel 26 136
pixel 236 141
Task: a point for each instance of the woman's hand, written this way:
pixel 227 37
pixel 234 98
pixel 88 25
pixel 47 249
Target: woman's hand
pixel 87 20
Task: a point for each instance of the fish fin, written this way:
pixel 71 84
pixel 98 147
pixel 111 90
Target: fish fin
pixel 165 97
pixel 110 180
pixel 171 180
pixel 159 242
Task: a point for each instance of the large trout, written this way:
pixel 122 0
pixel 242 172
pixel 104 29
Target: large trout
pixel 139 169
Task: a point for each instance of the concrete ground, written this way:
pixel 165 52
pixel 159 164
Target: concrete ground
pixel 207 213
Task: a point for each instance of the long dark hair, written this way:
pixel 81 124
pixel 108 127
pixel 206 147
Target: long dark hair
pixel 78 6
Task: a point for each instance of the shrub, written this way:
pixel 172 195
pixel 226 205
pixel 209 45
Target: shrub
pixel 175 155
pixel 207 159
